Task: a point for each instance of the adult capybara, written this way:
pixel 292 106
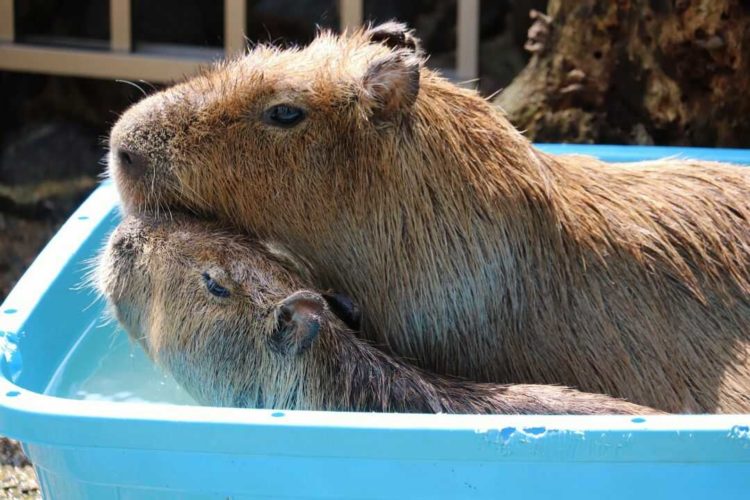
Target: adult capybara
pixel 470 252
pixel 237 326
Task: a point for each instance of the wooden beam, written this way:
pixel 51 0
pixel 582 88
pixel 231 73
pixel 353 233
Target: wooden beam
pixel 7 28
pixel 161 67
pixel 235 15
pixel 467 50
pixel 351 14
pixel 120 26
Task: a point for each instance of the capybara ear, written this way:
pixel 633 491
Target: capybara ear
pixel 394 35
pixel 345 308
pixel 391 84
pixel 298 321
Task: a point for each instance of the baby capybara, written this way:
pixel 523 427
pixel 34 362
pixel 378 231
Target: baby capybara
pixel 237 325
pixel 470 251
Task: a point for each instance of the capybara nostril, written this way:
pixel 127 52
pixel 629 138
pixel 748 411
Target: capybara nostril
pixel 122 242
pixel 128 238
pixel 132 162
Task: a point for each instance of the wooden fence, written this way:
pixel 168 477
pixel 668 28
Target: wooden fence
pixel 163 63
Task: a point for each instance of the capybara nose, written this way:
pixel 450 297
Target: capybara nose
pixel 132 162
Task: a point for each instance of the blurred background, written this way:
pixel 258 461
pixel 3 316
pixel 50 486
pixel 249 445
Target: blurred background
pixel 667 72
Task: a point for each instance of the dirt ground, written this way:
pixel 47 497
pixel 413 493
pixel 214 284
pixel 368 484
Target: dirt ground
pixel 17 478
pixel 18 482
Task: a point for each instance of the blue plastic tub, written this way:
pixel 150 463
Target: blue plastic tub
pixel 105 449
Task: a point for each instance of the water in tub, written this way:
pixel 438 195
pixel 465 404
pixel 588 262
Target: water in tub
pixel 105 365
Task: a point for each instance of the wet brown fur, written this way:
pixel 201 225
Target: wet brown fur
pixel 226 351
pixel 470 252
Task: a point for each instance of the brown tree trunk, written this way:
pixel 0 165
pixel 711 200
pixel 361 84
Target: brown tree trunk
pixel 636 71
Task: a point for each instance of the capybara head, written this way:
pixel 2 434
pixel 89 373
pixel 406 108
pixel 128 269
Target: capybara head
pixel 224 313
pixel 296 144
pixel 273 128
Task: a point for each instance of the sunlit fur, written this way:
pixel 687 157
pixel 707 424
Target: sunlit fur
pixel 470 252
pixel 223 351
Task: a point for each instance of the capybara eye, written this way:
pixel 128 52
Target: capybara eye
pixel 214 288
pixel 283 115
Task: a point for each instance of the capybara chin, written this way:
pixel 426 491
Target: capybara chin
pixel 470 252
pixel 236 326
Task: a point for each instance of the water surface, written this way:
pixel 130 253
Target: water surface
pixel 105 365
